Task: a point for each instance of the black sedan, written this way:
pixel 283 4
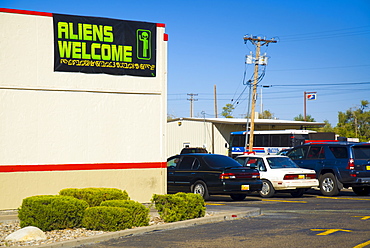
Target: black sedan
pixel 211 174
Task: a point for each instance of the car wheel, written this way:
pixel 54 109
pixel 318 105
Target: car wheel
pixel 238 197
pixel 328 185
pixel 363 191
pixel 267 189
pixel 297 192
pixel 200 188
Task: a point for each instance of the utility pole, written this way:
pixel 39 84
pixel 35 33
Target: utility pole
pixel 258 42
pixel 191 103
pixel 215 96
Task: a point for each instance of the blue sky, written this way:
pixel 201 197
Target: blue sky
pixel 323 47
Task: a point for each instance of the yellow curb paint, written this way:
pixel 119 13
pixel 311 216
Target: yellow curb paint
pixel 329 231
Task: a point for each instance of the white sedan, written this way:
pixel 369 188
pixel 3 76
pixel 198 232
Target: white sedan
pixel 280 173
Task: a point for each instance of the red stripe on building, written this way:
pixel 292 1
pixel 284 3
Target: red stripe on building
pixel 74 167
pixel 25 12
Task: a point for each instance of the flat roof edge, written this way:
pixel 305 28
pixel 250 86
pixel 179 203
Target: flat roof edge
pixel 26 12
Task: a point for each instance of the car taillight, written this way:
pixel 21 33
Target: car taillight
pixel 299 176
pixel 227 176
pixel 239 175
pixel 311 176
pixel 351 164
pixel 290 177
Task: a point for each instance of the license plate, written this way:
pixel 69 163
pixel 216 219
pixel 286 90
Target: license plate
pixel 368 167
pixel 301 177
pixel 245 187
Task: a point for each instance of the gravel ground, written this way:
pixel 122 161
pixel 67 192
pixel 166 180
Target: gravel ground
pixel 53 236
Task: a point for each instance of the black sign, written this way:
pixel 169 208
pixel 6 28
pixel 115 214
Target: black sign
pixel 103 45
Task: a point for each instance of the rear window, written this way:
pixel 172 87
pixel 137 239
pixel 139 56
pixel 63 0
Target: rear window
pixel 339 152
pixel 281 162
pixel 220 161
pixel 361 152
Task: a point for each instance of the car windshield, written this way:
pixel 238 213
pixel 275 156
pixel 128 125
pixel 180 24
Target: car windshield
pixel 281 162
pixel 219 161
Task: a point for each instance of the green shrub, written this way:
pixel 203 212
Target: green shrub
pixel 51 212
pixel 95 196
pixel 139 213
pixel 180 206
pixel 107 218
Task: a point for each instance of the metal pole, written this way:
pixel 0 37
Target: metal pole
pixel 304 104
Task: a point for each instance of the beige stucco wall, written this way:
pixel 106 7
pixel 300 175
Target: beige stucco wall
pixel 19 185
pixel 49 117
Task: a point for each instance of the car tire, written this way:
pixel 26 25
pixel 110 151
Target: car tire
pixel 238 197
pixel 297 193
pixel 362 191
pixel 328 185
pixel 267 190
pixel 200 188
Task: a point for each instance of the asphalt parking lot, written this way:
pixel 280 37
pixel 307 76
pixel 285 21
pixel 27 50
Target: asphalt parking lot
pixel 310 221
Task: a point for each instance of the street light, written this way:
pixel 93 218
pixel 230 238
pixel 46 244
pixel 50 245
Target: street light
pixel 263 86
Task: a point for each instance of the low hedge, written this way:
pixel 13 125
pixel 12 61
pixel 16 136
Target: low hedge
pixel 107 218
pixel 51 212
pixel 139 213
pixel 179 206
pixel 95 196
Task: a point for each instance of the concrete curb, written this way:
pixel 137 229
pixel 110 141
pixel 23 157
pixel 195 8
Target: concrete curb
pixel 216 217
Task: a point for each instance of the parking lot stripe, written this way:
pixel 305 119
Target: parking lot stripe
pixel 284 201
pixel 362 244
pixel 342 198
pixel 363 217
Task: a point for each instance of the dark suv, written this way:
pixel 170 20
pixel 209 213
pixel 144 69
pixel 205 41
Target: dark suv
pixel 337 164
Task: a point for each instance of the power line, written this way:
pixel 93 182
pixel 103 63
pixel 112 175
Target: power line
pixel 320 68
pixel 319 84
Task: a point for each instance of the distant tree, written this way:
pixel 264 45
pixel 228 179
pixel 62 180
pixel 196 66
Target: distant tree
pixel 266 115
pixel 227 110
pixel 327 128
pixel 355 122
pixel 300 117
pixel 170 117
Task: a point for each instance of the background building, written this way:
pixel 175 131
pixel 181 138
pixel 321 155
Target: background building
pixel 214 133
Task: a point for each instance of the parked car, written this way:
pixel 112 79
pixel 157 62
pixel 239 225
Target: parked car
pixel 193 150
pixel 283 152
pixel 210 174
pixel 337 164
pixel 280 173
